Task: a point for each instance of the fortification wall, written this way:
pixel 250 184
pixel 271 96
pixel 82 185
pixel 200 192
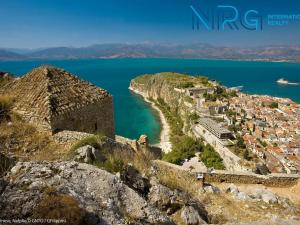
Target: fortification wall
pixel 274 180
pixel 93 118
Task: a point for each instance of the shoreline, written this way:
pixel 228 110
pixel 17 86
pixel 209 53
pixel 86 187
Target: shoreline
pixel 164 137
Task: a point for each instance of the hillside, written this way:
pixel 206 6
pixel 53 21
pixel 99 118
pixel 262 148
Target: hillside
pixel 8 55
pixel 194 51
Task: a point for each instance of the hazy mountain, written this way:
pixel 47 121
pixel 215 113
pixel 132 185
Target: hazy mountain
pixel 7 55
pixel 288 53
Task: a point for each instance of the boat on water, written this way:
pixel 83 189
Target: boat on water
pixel 282 81
pixel 286 82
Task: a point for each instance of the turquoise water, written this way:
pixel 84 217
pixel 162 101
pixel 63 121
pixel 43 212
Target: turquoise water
pixel 133 116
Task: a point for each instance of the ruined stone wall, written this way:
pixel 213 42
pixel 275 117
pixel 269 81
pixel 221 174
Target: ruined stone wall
pixel 274 180
pixel 97 117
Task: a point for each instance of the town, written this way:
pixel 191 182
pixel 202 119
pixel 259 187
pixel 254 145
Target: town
pixel 247 129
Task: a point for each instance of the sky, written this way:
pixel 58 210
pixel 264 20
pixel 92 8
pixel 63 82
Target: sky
pixel 78 23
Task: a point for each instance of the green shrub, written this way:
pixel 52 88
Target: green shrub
pixel 274 105
pixel 185 85
pixel 113 163
pixel 183 149
pixel 240 142
pixel 193 117
pixel 211 158
pixel 93 140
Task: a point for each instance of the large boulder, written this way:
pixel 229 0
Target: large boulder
pixel 132 178
pixel 264 195
pixel 239 195
pixel 211 189
pixel 87 154
pixel 190 216
pixel 102 196
pixel 166 199
pixel 232 189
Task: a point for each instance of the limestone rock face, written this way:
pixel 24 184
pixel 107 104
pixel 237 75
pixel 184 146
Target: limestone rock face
pixel 166 199
pixel 131 177
pixel 190 216
pixel 103 197
pixel 87 154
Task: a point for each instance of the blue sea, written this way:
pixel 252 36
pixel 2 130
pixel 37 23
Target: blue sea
pixel 133 116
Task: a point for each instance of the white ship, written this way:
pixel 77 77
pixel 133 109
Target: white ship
pixel 282 81
pixel 286 82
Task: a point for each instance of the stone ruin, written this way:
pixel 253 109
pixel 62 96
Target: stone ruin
pixel 55 100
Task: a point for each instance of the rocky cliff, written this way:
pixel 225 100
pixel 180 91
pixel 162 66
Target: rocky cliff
pixel 164 85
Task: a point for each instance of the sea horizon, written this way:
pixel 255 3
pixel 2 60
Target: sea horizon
pixel 133 115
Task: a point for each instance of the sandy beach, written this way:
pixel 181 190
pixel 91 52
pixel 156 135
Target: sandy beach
pixel 164 143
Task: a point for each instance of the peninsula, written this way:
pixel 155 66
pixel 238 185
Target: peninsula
pixel 245 132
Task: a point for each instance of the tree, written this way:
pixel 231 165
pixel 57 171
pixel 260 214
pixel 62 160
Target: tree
pixel 211 158
pixel 183 149
pixel 274 105
pixel 240 142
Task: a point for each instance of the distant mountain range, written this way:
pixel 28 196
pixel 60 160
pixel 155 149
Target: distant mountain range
pixel 202 51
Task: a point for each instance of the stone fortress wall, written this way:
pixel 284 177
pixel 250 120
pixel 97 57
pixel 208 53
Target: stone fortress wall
pixel 220 176
pixel 56 100
pixel 97 117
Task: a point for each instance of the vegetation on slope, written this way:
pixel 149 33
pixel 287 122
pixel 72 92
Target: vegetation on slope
pixel 211 158
pixel 6 104
pixel 219 94
pixel 23 139
pixel 174 79
pixel 185 147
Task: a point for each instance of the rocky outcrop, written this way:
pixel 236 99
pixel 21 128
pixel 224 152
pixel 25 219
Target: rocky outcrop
pixel 166 199
pixel 131 177
pixel 102 197
pixel 88 154
pixel 190 216
pixel 177 202
pixel 261 195
pixel 156 86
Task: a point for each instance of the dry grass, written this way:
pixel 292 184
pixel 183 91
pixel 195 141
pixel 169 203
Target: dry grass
pixel 59 206
pixel 24 140
pixel 179 179
pixel 6 104
pixel 142 161
pixel 223 208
